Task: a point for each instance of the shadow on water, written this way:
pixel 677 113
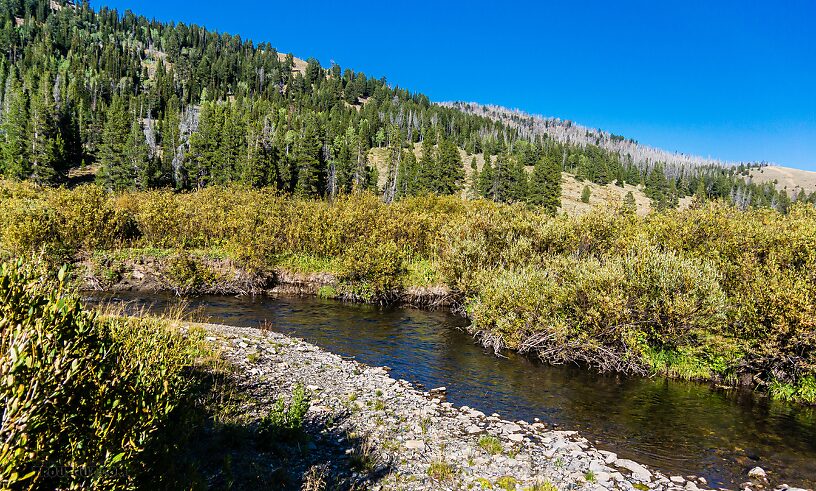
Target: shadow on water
pixel 677 427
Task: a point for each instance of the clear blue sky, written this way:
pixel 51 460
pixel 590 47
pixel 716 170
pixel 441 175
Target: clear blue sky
pixel 734 80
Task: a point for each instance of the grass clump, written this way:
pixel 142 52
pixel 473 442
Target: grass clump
pixel 542 486
pixel 284 423
pixel 507 483
pixel 441 471
pixel 490 444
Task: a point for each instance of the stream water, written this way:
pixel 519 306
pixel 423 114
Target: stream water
pixel 677 427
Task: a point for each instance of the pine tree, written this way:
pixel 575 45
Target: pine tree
pixel 15 162
pixel 427 174
pixel 585 194
pixel 204 151
pixel 116 172
pixel 307 160
pixel 450 174
pixel 260 165
pixel 657 188
pixel 545 185
pixel 145 169
pixel 170 135
pixel 487 180
pixel 408 175
pixel 45 143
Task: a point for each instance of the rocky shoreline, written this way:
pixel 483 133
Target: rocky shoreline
pixel 414 439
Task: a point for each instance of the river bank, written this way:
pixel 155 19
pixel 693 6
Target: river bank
pixel 414 439
pixel 162 271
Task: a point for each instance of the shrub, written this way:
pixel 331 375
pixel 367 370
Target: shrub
pixel 82 396
pixel 490 444
pixel 602 313
pixel 188 274
pixel 373 271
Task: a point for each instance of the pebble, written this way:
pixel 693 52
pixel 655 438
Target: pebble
pixel 757 473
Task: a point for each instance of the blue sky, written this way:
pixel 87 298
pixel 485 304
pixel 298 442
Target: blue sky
pixel 734 80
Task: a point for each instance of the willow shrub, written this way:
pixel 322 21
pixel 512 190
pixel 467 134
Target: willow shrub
pixel 606 313
pixel 373 271
pixel 82 397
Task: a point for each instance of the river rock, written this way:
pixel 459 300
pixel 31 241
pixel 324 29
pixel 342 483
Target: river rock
pixel 511 428
pixel 677 479
pixel 757 473
pixel 415 445
pixel 473 430
pixel 609 457
pixel 637 470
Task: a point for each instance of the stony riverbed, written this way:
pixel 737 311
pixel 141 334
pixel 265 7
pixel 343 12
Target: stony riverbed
pixel 405 438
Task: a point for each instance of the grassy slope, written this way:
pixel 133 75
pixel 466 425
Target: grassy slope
pixel 786 178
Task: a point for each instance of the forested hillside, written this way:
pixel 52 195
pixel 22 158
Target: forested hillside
pixel 146 104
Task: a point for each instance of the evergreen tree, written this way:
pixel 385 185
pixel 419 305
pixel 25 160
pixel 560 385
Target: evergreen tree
pixel 545 185
pixel 487 180
pixel 450 172
pixel 15 162
pixel 144 169
pixel 116 172
pixel 585 194
pixel 408 175
pixel 204 151
pixel 45 142
pixel 307 160
pixel 427 174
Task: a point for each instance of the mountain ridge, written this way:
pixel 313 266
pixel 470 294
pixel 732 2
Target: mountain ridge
pixel 570 132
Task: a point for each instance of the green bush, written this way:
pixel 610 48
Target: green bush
pixel 373 271
pixel 188 274
pixel 83 397
pixel 602 313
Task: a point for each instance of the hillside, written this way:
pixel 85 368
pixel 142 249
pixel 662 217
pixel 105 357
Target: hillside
pixel 569 132
pixel 786 178
pixel 571 187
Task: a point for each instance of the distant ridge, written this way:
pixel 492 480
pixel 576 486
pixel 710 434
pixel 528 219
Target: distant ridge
pixel 566 131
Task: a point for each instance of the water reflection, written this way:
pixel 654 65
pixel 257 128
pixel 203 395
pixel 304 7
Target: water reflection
pixel 678 427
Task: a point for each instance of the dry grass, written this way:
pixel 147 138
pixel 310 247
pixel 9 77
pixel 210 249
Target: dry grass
pixel 786 178
pixel 300 65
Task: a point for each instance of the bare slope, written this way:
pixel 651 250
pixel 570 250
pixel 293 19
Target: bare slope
pixel 786 178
